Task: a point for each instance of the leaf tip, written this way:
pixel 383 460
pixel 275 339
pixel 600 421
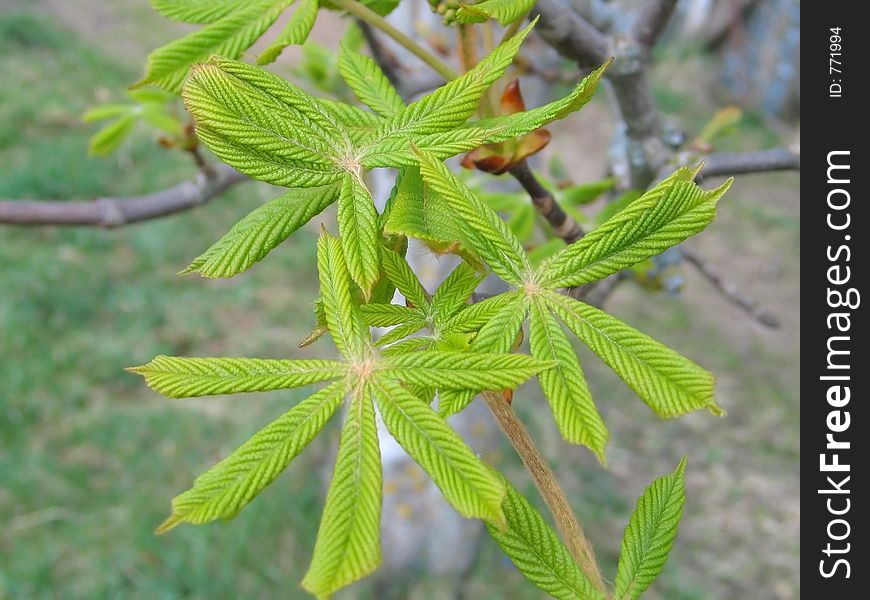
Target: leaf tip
pixel 139 370
pixel 680 471
pixel 170 523
pixel 716 410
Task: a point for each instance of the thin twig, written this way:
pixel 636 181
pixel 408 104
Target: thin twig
pixel 597 295
pixel 386 60
pixel 760 161
pixel 122 210
pixel 548 485
pixel 564 225
pixel 652 21
pixel 729 290
pixel 375 20
pixel 786 158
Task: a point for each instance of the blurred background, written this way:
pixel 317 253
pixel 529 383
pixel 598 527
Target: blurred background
pixel 89 457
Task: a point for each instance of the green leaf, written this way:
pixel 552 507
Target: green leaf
pixel 358 226
pixel 417 211
pixel 107 139
pixel 565 385
pixel 349 331
pixel 368 82
pixel 474 316
pixel 536 551
pixel 401 332
pixel 360 125
pixel 264 126
pixel 295 32
pixel 349 543
pixel 393 151
pixel 447 107
pixel 668 382
pixel 400 273
pixel 197 11
pixel 226 488
pixel 453 293
pixel 585 193
pixel 229 36
pixel 261 230
pixel 482 229
pixel 463 479
pixel 151 96
pixel 179 377
pixel 663 217
pixel 497 335
pixel 650 534
pixel 157 116
pixel 106 111
pixel 387 315
pixel 617 205
pixel 522 223
pixel 474 371
pixel 506 11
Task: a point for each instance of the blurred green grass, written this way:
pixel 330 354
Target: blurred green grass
pixel 90 458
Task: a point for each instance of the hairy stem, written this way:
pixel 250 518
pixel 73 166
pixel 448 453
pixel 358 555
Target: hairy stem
pixel 365 14
pixel 548 485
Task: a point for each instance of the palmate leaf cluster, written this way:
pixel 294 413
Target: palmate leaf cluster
pixel 440 345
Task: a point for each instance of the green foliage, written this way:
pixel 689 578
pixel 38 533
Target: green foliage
pixel 276 132
pixel 469 486
pixel 272 130
pixel 666 215
pixel 229 36
pixel 505 11
pixel 565 386
pixel 669 383
pixel 348 546
pixel 650 534
pixel 536 551
pixel 295 32
pixel 368 82
pixel 348 543
pixel 149 106
pixel 222 491
pixel 260 231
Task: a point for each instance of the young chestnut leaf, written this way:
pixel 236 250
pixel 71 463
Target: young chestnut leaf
pixel 230 35
pixel 368 82
pixel 669 383
pixel 227 487
pixel 261 230
pixel 294 33
pixel 348 545
pixel 667 214
pixel 505 11
pixel 535 549
pixel 272 130
pixel 197 11
pixel 650 534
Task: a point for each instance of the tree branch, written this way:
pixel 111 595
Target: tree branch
pixel 548 485
pixel 729 290
pixel 572 35
pixel 122 210
pixel 652 21
pixel 759 161
pixel 564 225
